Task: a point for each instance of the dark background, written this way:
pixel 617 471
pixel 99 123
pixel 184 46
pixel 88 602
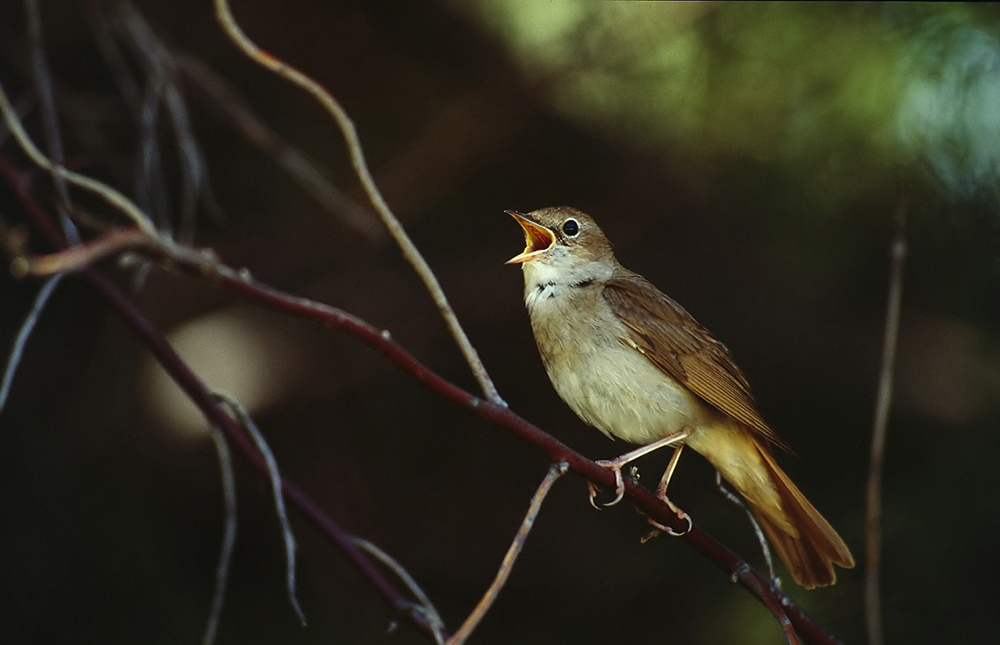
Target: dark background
pixel 747 159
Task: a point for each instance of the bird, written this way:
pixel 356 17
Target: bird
pixel 631 362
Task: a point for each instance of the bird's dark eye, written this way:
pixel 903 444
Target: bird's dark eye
pixel 571 227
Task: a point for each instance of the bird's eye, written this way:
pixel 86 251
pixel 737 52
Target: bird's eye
pixel 571 227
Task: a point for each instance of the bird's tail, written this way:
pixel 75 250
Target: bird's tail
pixel 804 540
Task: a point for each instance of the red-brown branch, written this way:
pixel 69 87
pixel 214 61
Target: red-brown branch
pixel 202 397
pixel 734 566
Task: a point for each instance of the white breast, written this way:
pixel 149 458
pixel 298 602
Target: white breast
pixel 609 384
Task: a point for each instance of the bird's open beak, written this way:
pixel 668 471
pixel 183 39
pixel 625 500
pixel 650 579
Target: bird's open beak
pixel 537 239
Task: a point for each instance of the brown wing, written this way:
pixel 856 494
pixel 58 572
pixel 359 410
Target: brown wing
pixel 675 342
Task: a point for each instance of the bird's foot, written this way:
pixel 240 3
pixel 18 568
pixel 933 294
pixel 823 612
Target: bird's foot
pixel 616 468
pixel 666 529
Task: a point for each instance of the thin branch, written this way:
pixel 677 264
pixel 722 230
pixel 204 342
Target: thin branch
pixel 425 606
pixel 50 124
pixel 410 252
pixel 776 602
pixel 160 67
pixel 873 515
pixel 228 533
pixel 80 256
pixel 507 565
pixel 203 398
pixel 279 501
pixel 299 167
pixel 738 501
pixel 113 197
pixel 23 334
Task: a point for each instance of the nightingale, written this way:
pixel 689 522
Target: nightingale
pixel 634 364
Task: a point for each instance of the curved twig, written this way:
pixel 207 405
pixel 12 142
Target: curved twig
pixel 343 121
pixel 228 534
pixel 113 197
pixel 279 501
pixel 203 398
pixel 50 124
pixel 507 565
pixel 424 604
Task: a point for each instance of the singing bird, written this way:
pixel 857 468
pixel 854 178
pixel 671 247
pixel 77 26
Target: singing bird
pixel 634 364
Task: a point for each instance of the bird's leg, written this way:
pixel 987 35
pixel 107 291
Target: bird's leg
pixel 615 466
pixel 661 493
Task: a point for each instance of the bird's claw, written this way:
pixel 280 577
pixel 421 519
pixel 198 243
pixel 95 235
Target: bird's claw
pixel 668 530
pixel 619 485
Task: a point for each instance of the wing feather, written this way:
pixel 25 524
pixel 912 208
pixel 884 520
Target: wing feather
pixel 666 334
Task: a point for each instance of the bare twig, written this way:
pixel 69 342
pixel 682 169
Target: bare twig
pixel 160 68
pixel 113 197
pixel 777 603
pixel 228 533
pixel 203 398
pixel 50 124
pixel 279 501
pixel 16 351
pixel 424 603
pixel 82 255
pixel 410 252
pixel 507 564
pixel 150 183
pixel 736 499
pixel 302 170
pixel 873 516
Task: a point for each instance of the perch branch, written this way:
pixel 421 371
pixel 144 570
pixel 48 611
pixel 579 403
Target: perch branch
pixel 203 265
pixel 381 340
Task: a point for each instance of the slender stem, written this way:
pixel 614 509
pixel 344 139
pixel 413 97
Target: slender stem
pixel 203 398
pixel 228 534
pixel 279 501
pixel 304 171
pixel 410 252
pixel 110 195
pixel 758 532
pixel 82 255
pixel 507 565
pixel 50 124
pixel 17 350
pixel 873 518
pixel 424 606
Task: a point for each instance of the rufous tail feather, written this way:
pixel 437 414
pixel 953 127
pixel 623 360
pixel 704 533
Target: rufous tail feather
pixel 804 540
pixel 811 554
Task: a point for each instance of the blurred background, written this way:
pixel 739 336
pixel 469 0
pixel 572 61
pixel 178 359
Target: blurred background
pixel 749 159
